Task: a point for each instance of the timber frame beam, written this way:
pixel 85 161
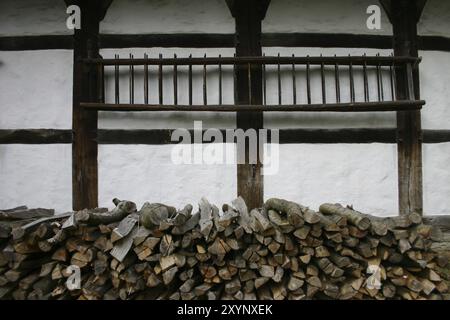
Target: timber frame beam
pixel 404 15
pixel 248 15
pixel 163 136
pixel 219 40
pixel 85 88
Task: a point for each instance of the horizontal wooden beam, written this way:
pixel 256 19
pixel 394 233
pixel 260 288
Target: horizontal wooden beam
pixel 433 43
pixel 219 40
pixel 383 106
pixel 44 42
pixel 163 136
pixel 35 136
pixel 258 60
pixel 331 136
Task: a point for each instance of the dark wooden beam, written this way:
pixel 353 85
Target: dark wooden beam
pixel 384 106
pixel 248 15
pixel 35 136
pixel 44 42
pixel 387 6
pixel 163 136
pixel 286 136
pixel 282 60
pixel 259 6
pixel 433 43
pixel 217 40
pixel 436 136
pixel 409 129
pixel 84 124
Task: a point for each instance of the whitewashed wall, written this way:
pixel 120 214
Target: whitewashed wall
pixel 35 92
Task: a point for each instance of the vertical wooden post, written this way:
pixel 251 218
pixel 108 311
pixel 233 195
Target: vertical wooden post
pixel 404 15
pixel 248 15
pixel 84 124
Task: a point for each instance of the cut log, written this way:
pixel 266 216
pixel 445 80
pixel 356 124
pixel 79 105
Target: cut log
pixel 354 217
pixel 122 209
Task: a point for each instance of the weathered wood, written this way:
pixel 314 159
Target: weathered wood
pixel 153 214
pixel 163 136
pixel 343 107
pixel 122 209
pixel 323 258
pixel 84 124
pixel 22 213
pixel 5 231
pixel 293 211
pixel 248 16
pixel 215 40
pixel 354 217
pixel 409 129
pixel 19 232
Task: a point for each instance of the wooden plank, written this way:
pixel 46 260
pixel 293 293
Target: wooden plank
pixel 41 42
pixel 218 40
pixel 248 90
pixel 84 124
pixel 375 61
pixel 22 230
pixel 35 136
pixel 409 130
pixel 163 136
pixel 330 107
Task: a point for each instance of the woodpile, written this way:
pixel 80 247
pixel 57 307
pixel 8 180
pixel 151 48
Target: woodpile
pixel 281 251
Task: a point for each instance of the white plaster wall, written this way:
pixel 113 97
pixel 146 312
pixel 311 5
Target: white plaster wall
pixel 146 173
pixel 32 17
pixel 35 92
pixel 36 89
pixel 347 16
pixel 36 17
pixel 436 178
pixel 435 18
pixel 36 175
pixel 168 16
pixel 328 16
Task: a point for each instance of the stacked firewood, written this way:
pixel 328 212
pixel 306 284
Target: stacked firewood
pixel 281 251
